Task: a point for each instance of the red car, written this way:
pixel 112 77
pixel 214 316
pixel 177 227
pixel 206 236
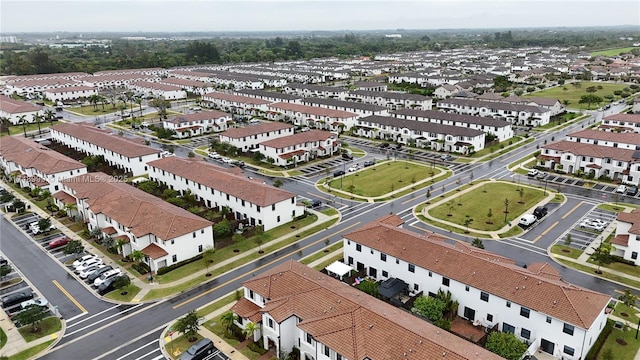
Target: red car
pixel 61 241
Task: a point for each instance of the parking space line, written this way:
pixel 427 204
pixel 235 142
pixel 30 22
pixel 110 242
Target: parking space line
pixel 572 210
pixel 66 293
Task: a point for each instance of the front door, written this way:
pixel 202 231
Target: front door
pixel 470 314
pixel 547 346
pixel 373 273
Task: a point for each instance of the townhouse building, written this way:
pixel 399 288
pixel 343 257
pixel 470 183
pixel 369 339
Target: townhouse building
pixel 627 236
pixel 156 89
pixel 592 160
pixel 34 88
pixel 165 233
pixel 192 86
pixel 360 109
pixel 18 110
pixel 235 104
pixel 312 116
pixel 32 165
pixel 318 91
pixel 621 122
pixel 325 319
pixel 114 80
pixel 231 80
pixel 199 123
pixel 300 147
pixel 635 108
pixel 391 100
pixel 270 96
pixel 249 200
pixel 422 134
pixel 625 140
pixel 501 129
pixel 517 114
pixel 248 138
pixel 127 154
pixel 533 303
pixel 370 86
pixel 69 93
pixel 446 90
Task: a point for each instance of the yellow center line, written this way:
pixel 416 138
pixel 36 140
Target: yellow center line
pixel 570 211
pixel 546 231
pixel 259 268
pixel 66 293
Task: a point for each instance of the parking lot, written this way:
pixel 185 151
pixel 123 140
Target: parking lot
pixel 554 179
pixel 582 238
pixel 17 288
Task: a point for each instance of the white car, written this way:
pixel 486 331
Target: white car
pixel 88 264
pixel 195 108
pixel 354 168
pixel 145 124
pixel 621 189
pixel 166 154
pixel 214 155
pixel 83 259
pixel 35 229
pixel 84 273
pixel 532 172
pixel 591 226
pixel 597 222
pixel 104 277
pixel 226 160
pixel 39 302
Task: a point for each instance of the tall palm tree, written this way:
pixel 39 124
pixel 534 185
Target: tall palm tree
pixel 22 120
pixel 4 124
pixel 139 102
pixel 49 116
pixel 129 96
pixel 227 319
pixel 94 100
pixel 250 328
pixel 37 118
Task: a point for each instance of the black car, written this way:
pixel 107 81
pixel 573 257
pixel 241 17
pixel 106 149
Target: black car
pixel 199 350
pixel 540 212
pixel 632 190
pixel 107 286
pixel 369 163
pixel 347 156
pixel 96 274
pixel 384 145
pixel 398 146
pixel 338 173
pixel 315 203
pixel 238 163
pixel 16 298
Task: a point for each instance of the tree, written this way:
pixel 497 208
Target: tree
pixel 450 206
pixel 237 238
pixel 121 282
pixel 207 257
pixel 467 221
pixel 250 328
pixel 628 298
pixel 369 287
pixel 260 237
pixel 277 183
pixel 477 243
pixel 74 247
pixel 22 120
pixel 590 99
pixel 489 216
pixel 37 118
pixel 602 255
pixel 5 270
pixel 227 319
pixel 161 105
pixel 4 125
pixel 189 325
pixel 137 256
pixel 32 315
pixel 521 193
pixel 429 307
pixel 506 345
pixel 222 228
pixel 44 225
pixel 567 240
pixel 18 205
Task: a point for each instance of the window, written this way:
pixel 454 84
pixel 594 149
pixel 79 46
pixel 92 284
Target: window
pixel 338 357
pixel 350 260
pixel 466 288
pixel 484 296
pixel 568 329
pixel 385 273
pixel 416 287
pixel 251 294
pixel 326 350
pixel 412 268
pixel 199 248
pixel 508 328
pixel 358 247
pixel 174 258
pixel 397 261
pixel 526 334
pixel 489 318
pixel 548 319
pixel 568 350
pixel 383 257
pixel 270 322
pixel 445 281
pixel 634 255
pixel 508 304
pixel 430 274
pixel 524 312
pixel 309 338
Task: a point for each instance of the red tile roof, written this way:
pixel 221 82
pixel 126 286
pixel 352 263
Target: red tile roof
pixel 633 218
pixel 64 197
pixel 262 128
pixel 31 155
pixel 234 98
pixel 621 240
pixel 625 138
pixel 154 251
pixel 311 110
pixel 299 138
pixel 199 116
pixel 632 118
pixel 570 303
pixel 248 310
pixel 591 150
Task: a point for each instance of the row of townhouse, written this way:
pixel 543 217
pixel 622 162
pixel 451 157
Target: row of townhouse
pixel 270 96
pixel 165 233
pixel 127 154
pixel 237 104
pixel 300 147
pixel 360 109
pixel 593 160
pixel 16 110
pixel 391 100
pixel 621 123
pixel 199 123
pixel 501 129
pixel 152 89
pixel 534 303
pixel 192 86
pixel 526 115
pixel 33 87
pixel 625 140
pixel 69 93
pixel 32 165
pixel 626 241
pixel 300 308
pixel 250 200
pixel 249 138
pixel 312 116
pixel 422 134
pixel 318 91
pixel 112 81
pixel 554 105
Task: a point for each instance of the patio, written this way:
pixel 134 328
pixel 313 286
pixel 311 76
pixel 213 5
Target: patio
pixel 466 329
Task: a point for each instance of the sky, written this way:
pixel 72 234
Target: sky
pixel 301 15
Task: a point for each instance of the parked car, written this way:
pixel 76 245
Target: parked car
pixel 527 220
pixel 369 163
pixel 145 124
pixel 83 259
pixel 632 190
pixel 199 350
pixel 315 203
pixel 354 168
pixel 60 241
pixel 238 163
pixel 226 160
pixel 84 273
pixel 587 225
pixel 35 229
pixel 167 154
pixel 214 155
pixel 532 172
pixel 97 273
pixel 540 212
pixel 106 286
pixel 338 173
pixel 621 189
pixel 598 222
pixel 397 146
pixel 16 298
pixel 384 145
pixel 105 276
pixel 42 302
pixel 195 108
pixel 541 176
pixel 347 156
pixel 87 263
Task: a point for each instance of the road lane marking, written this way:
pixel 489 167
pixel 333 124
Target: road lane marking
pixel 102 320
pixel 545 231
pixel 90 317
pixel 140 348
pixel 570 211
pixel 66 293
pixel 260 267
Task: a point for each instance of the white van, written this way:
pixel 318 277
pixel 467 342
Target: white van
pixel 527 220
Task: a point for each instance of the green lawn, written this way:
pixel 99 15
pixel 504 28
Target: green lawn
pixel 605 274
pixel 19 129
pixel 313 257
pixel 632 313
pixel 131 292
pixel 31 352
pixel 3 338
pixel 489 195
pixel 621 352
pixel 567 251
pixel 573 94
pixel 90 111
pixel 383 178
pixel 47 326
pixel 614 208
pixel 328 262
pixel 179 345
pixel 613 52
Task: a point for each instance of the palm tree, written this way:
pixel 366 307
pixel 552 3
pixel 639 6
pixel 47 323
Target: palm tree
pixel 22 120
pixel 227 319
pixel 137 255
pixel 101 100
pixel 94 100
pixel 250 328
pixel 37 118
pixel 4 124
pixel 139 102
pixel 49 116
